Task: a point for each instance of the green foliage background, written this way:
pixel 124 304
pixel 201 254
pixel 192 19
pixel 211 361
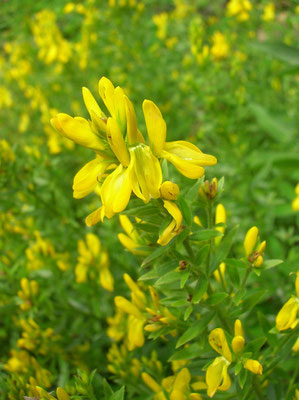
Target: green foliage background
pixel 240 108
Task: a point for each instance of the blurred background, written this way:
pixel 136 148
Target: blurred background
pixel 225 76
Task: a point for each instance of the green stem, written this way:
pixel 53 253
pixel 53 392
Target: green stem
pixel 257 388
pixel 188 248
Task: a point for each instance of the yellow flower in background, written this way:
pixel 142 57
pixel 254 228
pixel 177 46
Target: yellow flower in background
pixel 93 258
pixel 239 8
pixel 220 47
pixel 132 240
pixel 176 386
pixel 295 203
pixel 269 12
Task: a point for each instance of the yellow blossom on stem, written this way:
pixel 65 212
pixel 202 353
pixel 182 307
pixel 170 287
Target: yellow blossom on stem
pixel 174 227
pixel 253 366
pixel 217 377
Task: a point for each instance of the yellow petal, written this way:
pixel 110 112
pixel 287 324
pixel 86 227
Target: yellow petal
pixel 217 376
pixel 95 217
pixel 150 382
pixel 189 152
pixel 128 307
pixel 117 142
pixel 93 244
pixel 218 341
pixel 238 343
pixel 128 227
pixel 175 212
pixel 134 135
pixel 250 240
pixel 62 394
pixel 169 190
pixel 120 108
pixel 181 382
pixel 238 328
pixel 155 125
pixel 167 234
pixel 106 91
pixel 91 104
pixel 87 177
pixel 116 191
pixel 253 366
pixel 145 173
pixel 106 279
pixel 186 168
pixel 287 315
pixel 135 334
pixel 78 130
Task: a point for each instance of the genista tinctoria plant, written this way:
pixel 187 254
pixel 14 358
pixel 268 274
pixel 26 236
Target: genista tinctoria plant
pixel 199 321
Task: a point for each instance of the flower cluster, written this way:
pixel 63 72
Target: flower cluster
pixel 124 163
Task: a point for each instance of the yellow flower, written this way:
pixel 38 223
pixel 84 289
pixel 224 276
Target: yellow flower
pixel 220 47
pixel 218 341
pixel 169 190
pixel 269 12
pixel 131 240
pixel 295 203
pixel 253 366
pixel 288 314
pixel 185 156
pixel 217 377
pixel 175 225
pixel 93 257
pixel 239 8
pixel 124 163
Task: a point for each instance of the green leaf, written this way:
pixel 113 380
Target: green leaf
pixel 216 298
pixel 172 276
pixel 159 252
pixel 278 129
pixel 271 263
pixel 205 234
pixel 193 351
pixel 238 367
pixel 255 345
pixel 242 377
pixel 192 193
pixel 119 395
pixel 233 275
pixel 235 263
pixel 108 392
pixel 188 311
pixel 201 257
pixel 186 210
pixel 196 329
pixel 279 50
pixel 254 298
pixel 223 249
pixel 200 289
pixel 184 278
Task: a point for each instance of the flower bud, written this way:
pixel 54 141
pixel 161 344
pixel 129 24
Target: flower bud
pixel 258 262
pixel 169 190
pixel 250 240
pixel 253 366
pixel 239 328
pixel 238 343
